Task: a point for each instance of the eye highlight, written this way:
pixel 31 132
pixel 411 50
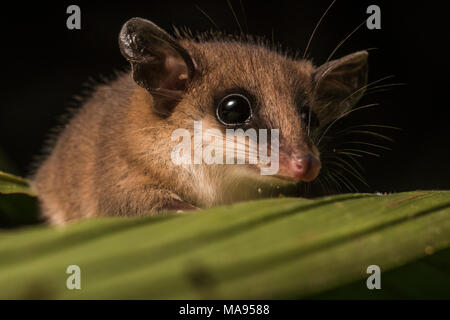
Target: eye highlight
pixel 309 118
pixel 234 109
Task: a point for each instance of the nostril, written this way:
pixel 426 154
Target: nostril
pixel 302 165
pixel 307 167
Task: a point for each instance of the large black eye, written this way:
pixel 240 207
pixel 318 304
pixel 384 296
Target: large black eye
pixel 234 109
pixel 309 118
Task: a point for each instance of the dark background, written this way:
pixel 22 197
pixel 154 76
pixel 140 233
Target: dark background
pixel 44 65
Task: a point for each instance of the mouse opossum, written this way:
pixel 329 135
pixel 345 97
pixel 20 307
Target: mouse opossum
pixel 114 156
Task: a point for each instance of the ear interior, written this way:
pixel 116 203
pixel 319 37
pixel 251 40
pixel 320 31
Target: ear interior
pixel 159 63
pixel 339 84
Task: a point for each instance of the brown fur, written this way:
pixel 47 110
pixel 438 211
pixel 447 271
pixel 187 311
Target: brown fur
pixel 113 157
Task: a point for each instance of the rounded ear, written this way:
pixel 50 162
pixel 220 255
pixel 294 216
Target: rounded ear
pixel 159 63
pixel 339 84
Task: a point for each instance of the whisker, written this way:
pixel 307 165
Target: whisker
pixel 343 179
pixel 324 181
pixel 371 92
pixel 350 169
pixel 207 17
pixel 367 86
pixel 336 181
pixel 316 27
pixel 343 41
pixel 344 115
pixel 388 85
pixel 367 126
pixel 372 133
pixel 346 179
pixel 365 143
pixel 350 166
pixel 361 151
pixel 355 161
pixel 349 154
pixel 245 15
pixel 235 16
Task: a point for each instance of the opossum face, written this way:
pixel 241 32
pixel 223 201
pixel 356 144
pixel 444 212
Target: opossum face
pixel 277 104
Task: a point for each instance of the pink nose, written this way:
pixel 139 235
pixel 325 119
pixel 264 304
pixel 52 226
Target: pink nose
pixel 306 168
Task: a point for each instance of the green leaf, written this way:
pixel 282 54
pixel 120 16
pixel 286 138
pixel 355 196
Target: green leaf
pixel 10 184
pixel 428 278
pixel 18 204
pixel 274 248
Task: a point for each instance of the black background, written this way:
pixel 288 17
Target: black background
pixel 44 65
pixel 279 309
